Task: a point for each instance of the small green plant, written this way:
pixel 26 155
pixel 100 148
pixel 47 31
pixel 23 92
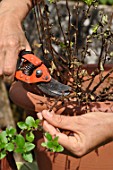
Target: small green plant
pixel 22 143
pixel 52 143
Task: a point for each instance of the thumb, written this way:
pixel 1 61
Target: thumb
pixel 27 48
pixel 60 121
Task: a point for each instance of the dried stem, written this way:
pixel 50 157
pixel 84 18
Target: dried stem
pixel 101 81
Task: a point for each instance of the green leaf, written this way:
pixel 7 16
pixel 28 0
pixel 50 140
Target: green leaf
pixel 19 150
pixel 37 122
pixel 110 2
pixel 56 139
pixel 2 145
pixel 59 148
pixel 10 147
pixel 88 2
pixel 10 131
pixel 20 141
pixel 62 45
pixel 53 145
pixel 2 154
pixel 51 1
pixel 104 19
pixel 103 1
pixel 48 136
pixel 22 125
pixel 44 144
pixel 30 136
pixel 50 145
pixel 95 28
pixel 30 121
pixel 101 66
pixel 3 137
pixel 53 149
pixel 28 157
pixel 29 146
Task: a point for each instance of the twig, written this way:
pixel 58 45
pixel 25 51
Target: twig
pixel 102 80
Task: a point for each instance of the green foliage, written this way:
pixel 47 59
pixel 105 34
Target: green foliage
pixel 10 141
pixel 30 136
pixel 106 2
pixel 29 124
pixel 51 1
pixel 52 143
pixel 95 28
pixel 88 2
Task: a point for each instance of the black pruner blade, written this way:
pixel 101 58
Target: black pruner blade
pixel 54 88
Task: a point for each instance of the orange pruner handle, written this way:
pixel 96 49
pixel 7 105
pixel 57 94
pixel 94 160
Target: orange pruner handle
pixel 40 72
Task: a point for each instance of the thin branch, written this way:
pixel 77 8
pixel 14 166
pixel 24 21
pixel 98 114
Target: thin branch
pixel 102 80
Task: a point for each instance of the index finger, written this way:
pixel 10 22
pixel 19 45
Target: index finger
pixel 9 66
pixel 60 121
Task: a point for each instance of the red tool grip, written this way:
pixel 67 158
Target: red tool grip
pixel 45 76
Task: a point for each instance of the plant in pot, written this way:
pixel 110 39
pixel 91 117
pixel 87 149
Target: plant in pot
pixel 91 84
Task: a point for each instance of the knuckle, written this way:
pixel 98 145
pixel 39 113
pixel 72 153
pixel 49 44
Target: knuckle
pixel 59 119
pixel 78 150
pixel 81 151
pixel 13 42
pixel 8 71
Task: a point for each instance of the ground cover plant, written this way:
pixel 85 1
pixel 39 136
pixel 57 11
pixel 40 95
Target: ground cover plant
pixel 22 143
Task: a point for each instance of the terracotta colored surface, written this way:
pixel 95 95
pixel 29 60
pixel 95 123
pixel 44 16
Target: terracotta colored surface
pixel 8 163
pixel 100 159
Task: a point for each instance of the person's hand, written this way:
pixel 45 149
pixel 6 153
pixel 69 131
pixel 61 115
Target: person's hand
pixel 89 130
pixel 12 41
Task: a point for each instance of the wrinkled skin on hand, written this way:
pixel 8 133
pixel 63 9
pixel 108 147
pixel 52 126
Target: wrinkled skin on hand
pixel 90 130
pixel 12 41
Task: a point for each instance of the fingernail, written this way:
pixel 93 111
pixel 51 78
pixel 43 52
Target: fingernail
pixel 40 116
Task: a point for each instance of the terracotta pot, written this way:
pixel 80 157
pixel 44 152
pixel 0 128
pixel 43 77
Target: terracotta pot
pixel 50 161
pixel 8 163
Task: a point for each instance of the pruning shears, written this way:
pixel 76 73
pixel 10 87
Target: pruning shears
pixel 31 70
